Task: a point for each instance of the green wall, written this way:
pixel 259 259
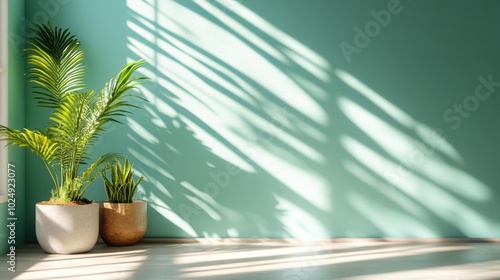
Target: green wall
pixel 4 234
pixel 291 118
pixel 16 91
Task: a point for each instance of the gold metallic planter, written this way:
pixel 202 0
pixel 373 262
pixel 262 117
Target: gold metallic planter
pixel 122 224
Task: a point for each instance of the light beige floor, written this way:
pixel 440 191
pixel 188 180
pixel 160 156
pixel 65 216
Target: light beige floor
pixel 266 261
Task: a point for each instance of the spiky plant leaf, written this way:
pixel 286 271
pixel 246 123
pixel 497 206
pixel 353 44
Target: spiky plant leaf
pixel 121 188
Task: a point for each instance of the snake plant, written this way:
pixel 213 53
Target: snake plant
pixel 78 116
pixel 121 188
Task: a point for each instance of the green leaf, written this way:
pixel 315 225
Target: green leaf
pixel 121 188
pixel 79 117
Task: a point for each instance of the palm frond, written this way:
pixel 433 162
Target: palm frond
pixel 55 60
pixel 35 141
pixel 68 120
pixel 112 97
pixel 112 101
pixel 100 165
pixel 38 143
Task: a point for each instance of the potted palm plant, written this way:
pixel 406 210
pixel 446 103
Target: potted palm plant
pixel 67 222
pixel 122 220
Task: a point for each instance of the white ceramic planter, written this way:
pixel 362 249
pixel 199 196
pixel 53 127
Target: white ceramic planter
pixel 67 229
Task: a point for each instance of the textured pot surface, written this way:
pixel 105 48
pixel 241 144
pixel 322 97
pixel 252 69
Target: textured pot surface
pixel 67 229
pixel 122 224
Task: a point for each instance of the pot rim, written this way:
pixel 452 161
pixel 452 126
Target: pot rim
pixel 133 201
pixel 41 203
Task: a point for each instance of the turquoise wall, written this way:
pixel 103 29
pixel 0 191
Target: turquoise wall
pixel 4 234
pixel 291 118
pixel 16 88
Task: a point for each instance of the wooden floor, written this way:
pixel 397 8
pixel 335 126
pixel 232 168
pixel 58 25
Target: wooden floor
pixel 264 261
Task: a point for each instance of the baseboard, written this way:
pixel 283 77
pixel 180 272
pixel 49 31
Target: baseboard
pixel 304 240
pixel 315 240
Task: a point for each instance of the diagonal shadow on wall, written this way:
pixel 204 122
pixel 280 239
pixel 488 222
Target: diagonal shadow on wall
pixel 229 115
pixel 249 133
